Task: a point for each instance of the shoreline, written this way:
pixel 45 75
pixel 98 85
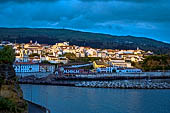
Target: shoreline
pixel 112 78
pixel 73 85
pixel 92 87
pixel 145 83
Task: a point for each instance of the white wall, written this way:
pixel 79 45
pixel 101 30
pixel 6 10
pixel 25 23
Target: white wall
pixel 26 68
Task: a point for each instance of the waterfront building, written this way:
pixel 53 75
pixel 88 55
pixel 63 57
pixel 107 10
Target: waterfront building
pixel 46 68
pixel 128 70
pixel 106 69
pixel 117 70
pixel 26 67
pixel 23 64
pixel 80 65
pixel 97 64
pixel 75 71
pixel 31 67
pixel 120 63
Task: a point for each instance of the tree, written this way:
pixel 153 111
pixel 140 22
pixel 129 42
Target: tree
pixel 155 62
pixel 7 55
pixel 71 56
pixel 34 54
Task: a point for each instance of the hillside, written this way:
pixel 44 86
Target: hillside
pixel 95 40
pixel 154 63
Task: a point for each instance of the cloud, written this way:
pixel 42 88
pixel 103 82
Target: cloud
pixel 133 1
pixel 140 1
pixel 24 1
pixel 95 0
pixel 123 17
pixel 97 12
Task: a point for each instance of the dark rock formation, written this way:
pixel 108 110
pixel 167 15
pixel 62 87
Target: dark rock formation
pixel 7 71
pixel 11 96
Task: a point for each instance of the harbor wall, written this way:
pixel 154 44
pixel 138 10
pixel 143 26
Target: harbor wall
pixel 97 75
pixel 38 75
pixel 125 74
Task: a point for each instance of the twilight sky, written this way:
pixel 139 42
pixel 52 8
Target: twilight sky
pixel 149 18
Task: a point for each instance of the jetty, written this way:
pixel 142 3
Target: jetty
pixel 102 82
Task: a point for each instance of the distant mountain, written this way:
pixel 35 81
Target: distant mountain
pixel 95 40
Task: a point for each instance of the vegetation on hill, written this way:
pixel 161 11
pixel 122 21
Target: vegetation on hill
pixel 87 59
pixel 9 106
pixel 95 40
pixel 70 56
pixel 155 62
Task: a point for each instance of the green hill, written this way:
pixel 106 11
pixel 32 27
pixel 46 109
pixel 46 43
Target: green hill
pixel 95 40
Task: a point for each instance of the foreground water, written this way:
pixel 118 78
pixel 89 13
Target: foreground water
pixel 61 99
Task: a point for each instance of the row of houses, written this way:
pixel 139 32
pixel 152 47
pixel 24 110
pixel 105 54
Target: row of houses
pixel 118 70
pixel 29 66
pixel 113 63
pixel 63 71
pixel 116 65
pixel 53 53
pixel 30 58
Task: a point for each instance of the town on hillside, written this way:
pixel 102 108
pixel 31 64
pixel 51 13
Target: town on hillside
pixel 64 59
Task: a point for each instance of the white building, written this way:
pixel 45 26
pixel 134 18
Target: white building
pixel 118 70
pixel 47 68
pixel 26 67
pixel 120 63
pixel 128 70
pixel 106 69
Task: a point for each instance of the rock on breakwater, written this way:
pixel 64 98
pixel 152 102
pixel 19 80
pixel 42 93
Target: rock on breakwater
pixel 11 96
pixel 125 84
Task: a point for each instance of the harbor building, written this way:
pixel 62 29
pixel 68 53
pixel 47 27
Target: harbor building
pixel 98 64
pixel 26 67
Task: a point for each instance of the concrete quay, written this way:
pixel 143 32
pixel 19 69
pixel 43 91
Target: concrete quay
pixel 35 108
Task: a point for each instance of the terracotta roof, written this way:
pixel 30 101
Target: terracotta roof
pixel 100 63
pixel 116 59
pixel 44 45
pixel 24 63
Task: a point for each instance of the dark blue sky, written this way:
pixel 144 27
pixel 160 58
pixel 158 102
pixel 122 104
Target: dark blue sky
pixel 149 18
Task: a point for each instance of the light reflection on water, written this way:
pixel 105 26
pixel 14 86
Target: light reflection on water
pixel 62 99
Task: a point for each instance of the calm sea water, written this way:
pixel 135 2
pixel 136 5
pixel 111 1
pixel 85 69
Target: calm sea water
pixel 61 99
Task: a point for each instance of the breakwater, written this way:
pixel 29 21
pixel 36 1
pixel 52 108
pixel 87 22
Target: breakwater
pixel 101 82
pixel 147 84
